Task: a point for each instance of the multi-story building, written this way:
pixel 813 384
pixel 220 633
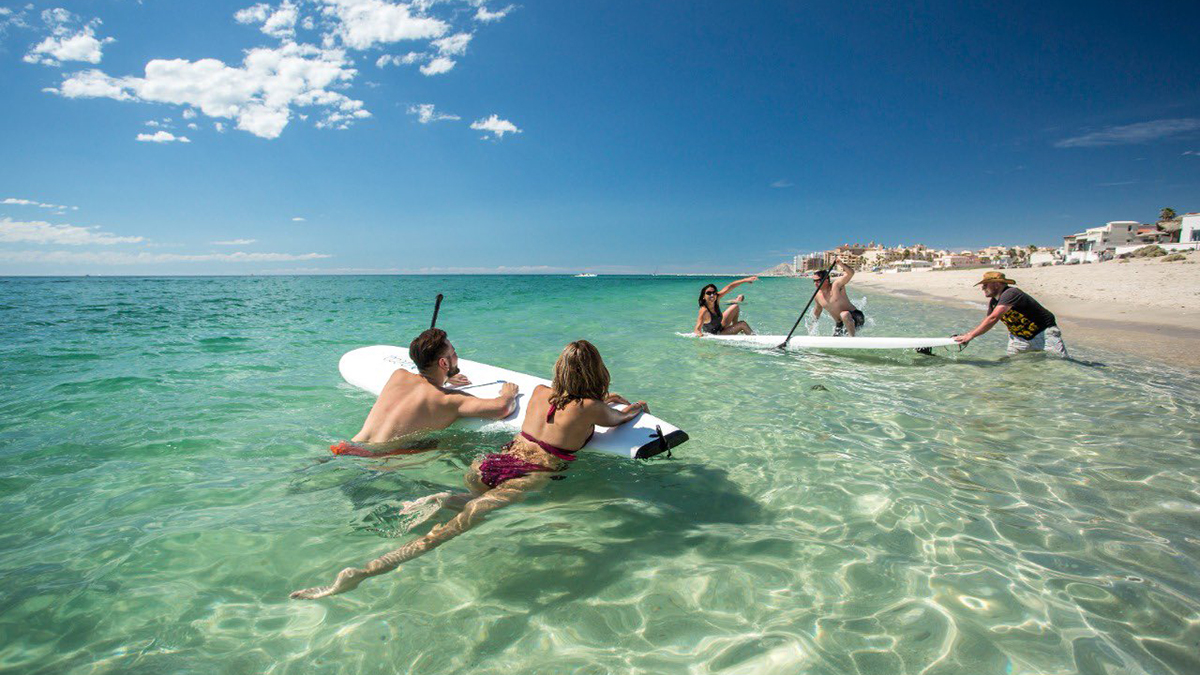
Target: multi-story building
pixel 1087 246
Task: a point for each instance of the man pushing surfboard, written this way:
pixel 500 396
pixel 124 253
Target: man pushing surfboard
pixel 416 402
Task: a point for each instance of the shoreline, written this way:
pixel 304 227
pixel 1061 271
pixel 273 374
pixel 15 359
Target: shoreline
pixel 1146 309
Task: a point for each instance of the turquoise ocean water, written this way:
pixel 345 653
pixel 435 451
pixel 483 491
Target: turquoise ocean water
pixel 165 481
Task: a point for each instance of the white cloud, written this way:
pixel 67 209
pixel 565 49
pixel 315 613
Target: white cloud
pixel 455 45
pixel 1191 152
pixel 298 219
pixel 259 95
pixel 483 15
pixel 235 242
pixel 438 66
pixel 67 42
pixel 277 22
pixel 193 126
pixel 362 24
pixel 220 127
pixel 408 59
pixel 163 137
pixel 426 113
pixel 782 184
pixel 13 201
pixel 113 258
pixel 495 126
pixel 1130 134
pixel 40 232
pixel 189 114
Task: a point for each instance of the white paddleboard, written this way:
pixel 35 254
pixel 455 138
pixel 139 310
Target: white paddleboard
pixel 369 368
pixel 827 342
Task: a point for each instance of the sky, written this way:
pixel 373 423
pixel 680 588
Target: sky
pixel 482 136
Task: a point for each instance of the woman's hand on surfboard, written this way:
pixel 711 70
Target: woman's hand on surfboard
pixel 636 409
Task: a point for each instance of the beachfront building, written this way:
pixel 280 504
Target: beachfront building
pixel 995 254
pixel 875 256
pixel 1150 234
pixel 849 254
pixel 808 262
pixel 961 259
pixel 1044 256
pixel 1087 246
pixel 1189 228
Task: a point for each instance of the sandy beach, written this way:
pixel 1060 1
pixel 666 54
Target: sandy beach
pixel 1145 307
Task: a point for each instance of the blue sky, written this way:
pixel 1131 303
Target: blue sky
pixel 482 136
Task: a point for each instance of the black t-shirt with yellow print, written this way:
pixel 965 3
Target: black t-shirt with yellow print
pixel 1026 318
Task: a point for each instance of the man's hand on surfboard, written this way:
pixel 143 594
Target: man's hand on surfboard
pixel 458 380
pixel 616 398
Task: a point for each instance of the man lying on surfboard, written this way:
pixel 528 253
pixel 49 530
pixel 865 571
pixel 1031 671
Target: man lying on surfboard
pixel 559 422
pixel 412 403
pixel 832 298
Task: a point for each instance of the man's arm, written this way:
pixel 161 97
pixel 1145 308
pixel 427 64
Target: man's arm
pixel 984 326
pixel 847 275
pixel 487 408
pixel 816 310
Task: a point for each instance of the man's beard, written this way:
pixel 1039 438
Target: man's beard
pixel 452 372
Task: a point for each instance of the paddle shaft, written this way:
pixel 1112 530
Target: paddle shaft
pixel 437 304
pixel 805 310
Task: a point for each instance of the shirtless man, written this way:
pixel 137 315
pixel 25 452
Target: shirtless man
pixel 832 298
pixel 414 403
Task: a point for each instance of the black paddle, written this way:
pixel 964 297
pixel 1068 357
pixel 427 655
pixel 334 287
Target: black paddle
pixel 437 304
pixel 805 310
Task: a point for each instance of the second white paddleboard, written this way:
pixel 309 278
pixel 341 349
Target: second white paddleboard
pixel 827 342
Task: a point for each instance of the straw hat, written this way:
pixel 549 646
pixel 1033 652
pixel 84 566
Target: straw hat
pixel 995 276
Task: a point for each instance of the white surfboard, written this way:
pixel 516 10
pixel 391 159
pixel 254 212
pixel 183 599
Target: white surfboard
pixel 827 342
pixel 369 368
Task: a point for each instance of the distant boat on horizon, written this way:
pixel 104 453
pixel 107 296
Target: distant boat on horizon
pixel 585 275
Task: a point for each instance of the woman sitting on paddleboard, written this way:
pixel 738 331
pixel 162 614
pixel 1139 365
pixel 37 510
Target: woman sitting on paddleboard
pixel 559 421
pixel 711 320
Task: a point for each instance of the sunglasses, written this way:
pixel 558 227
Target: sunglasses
pixel 710 292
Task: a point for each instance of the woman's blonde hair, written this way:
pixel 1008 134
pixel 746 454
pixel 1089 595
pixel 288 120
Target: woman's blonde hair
pixel 579 374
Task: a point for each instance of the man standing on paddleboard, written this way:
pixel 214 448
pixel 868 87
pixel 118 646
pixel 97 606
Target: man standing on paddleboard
pixel 411 403
pixel 1030 326
pixel 831 297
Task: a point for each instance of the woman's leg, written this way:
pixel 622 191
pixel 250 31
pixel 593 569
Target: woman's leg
pixel 508 492
pixel 730 316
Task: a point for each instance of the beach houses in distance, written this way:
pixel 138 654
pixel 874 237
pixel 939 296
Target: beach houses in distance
pixel 1119 237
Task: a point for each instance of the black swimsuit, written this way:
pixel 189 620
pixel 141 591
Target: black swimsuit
pixel 714 322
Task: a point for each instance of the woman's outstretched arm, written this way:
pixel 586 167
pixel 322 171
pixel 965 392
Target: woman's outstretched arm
pixel 509 492
pixel 734 284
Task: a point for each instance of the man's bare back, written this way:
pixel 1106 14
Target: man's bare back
pixel 411 403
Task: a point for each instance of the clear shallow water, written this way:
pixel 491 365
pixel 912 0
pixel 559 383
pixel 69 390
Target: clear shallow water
pixel 165 481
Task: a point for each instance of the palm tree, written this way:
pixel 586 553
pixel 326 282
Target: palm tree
pixel 1166 213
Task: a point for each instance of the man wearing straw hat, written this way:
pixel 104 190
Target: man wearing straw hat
pixel 1030 326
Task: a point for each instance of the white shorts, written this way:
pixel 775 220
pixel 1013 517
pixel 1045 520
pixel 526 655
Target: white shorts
pixel 1049 340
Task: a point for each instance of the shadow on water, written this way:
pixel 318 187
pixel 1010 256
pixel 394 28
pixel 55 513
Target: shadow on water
pixel 660 516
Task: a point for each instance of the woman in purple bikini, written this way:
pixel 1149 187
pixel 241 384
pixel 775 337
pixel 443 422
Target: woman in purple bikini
pixel 559 421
